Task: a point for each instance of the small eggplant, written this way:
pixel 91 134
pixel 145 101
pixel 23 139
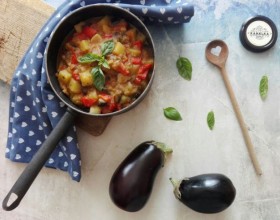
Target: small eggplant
pixel 132 182
pixel 206 193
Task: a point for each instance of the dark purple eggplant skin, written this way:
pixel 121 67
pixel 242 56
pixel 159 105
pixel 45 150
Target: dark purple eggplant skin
pixel 207 193
pixel 132 182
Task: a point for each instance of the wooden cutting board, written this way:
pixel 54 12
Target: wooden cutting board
pixel 20 21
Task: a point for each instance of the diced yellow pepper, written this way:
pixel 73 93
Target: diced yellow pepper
pixel 106 20
pixel 96 39
pixel 131 33
pixel 134 52
pixel 74 86
pixel 64 76
pixel 92 94
pixel 86 78
pixel 76 99
pixel 106 29
pixel 119 49
pixel 79 27
pixel 84 45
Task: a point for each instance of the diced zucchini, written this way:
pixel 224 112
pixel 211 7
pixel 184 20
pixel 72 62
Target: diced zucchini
pixel 64 76
pixel 86 78
pixel 84 45
pixel 134 52
pixel 119 49
pixel 96 39
pixel 74 86
pixel 95 109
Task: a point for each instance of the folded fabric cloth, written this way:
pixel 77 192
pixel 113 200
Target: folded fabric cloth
pixel 35 109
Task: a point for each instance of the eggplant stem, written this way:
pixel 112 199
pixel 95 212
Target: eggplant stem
pixel 163 147
pixel 176 184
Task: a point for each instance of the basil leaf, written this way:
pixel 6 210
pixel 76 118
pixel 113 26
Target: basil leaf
pixel 263 88
pixel 211 120
pixel 184 67
pixel 172 113
pixel 106 64
pixel 107 47
pixel 89 58
pixel 98 78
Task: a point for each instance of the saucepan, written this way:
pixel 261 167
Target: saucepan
pixel 73 111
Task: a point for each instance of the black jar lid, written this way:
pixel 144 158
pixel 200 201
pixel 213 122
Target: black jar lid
pixel 258 34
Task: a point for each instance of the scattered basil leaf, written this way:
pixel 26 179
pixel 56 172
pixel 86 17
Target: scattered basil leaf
pixel 211 120
pixel 172 113
pixel 107 47
pixel 89 58
pixel 263 88
pixel 184 67
pixel 98 78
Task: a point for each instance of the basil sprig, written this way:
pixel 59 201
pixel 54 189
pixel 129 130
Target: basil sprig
pixel 263 87
pixel 99 78
pixel 97 73
pixel 211 120
pixel 172 113
pixel 89 58
pixel 184 67
pixel 107 47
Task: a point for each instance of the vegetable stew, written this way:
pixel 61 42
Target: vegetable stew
pixel 104 65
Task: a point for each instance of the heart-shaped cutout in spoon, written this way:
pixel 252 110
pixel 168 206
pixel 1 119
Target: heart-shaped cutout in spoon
pixel 216 51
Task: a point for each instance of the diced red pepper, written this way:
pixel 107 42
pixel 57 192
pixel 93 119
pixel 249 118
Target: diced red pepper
pixel 143 75
pixel 105 110
pixel 69 39
pixel 76 76
pixel 143 68
pixel 138 44
pixel 137 81
pixel 136 60
pixel 112 106
pixel 74 59
pixel 108 36
pixel 89 31
pixel 122 69
pixel 62 67
pixel 106 97
pixel 88 102
pixel 82 36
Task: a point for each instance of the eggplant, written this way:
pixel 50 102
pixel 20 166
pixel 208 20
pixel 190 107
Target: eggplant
pixel 132 182
pixel 206 193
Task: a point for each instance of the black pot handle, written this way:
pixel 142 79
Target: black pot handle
pixel 31 171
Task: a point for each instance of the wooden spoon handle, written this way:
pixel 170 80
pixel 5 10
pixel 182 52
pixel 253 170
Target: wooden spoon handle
pixel 241 122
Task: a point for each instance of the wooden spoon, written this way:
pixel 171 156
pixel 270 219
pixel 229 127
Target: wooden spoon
pixel 217 53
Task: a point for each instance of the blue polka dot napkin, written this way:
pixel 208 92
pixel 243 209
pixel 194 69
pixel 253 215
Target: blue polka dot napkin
pixel 34 108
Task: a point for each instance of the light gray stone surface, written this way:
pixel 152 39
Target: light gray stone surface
pixel 197 150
